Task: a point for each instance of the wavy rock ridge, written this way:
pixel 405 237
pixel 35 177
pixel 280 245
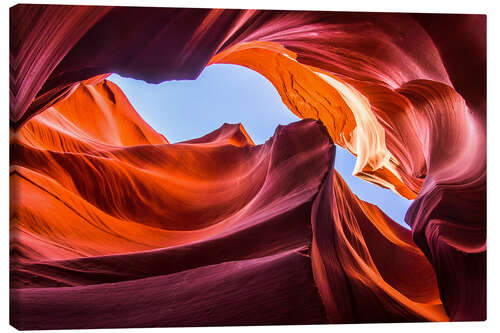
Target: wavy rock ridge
pixel 396 90
pixel 230 214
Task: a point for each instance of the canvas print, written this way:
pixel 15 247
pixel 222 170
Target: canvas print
pixel 213 167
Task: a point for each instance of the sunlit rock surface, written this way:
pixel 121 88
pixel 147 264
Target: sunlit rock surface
pixel 218 211
pixel 93 185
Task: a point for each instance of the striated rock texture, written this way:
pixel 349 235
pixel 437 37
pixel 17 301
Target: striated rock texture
pixel 107 217
pixel 212 231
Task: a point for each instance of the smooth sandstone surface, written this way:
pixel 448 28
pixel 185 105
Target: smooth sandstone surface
pixel 93 185
pixel 196 225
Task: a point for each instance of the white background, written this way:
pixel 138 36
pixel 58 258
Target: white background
pixel 423 6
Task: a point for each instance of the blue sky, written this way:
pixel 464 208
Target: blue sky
pixel 183 110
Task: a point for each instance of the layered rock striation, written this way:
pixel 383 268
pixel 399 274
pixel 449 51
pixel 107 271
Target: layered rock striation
pixel 101 203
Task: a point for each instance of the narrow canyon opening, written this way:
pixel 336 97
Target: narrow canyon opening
pixel 187 109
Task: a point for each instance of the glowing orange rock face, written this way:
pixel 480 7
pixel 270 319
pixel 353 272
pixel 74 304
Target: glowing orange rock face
pixel 166 208
pixel 311 93
pixel 404 141
pixel 352 241
pixel 98 197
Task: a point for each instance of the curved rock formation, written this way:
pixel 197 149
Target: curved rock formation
pixel 216 211
pixel 399 91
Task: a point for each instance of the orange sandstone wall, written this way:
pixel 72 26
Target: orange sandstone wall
pixel 404 93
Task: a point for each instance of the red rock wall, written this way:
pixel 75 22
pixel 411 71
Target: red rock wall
pixel 404 93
